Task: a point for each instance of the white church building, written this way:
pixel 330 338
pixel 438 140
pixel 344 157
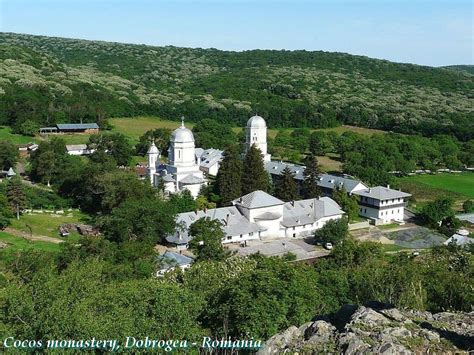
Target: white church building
pixel 182 170
pixel 260 216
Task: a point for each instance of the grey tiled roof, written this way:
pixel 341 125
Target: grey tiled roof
pixel 381 193
pixel 191 179
pixel 303 212
pixel 257 199
pixel 334 181
pixel 233 222
pixel 209 157
pixel 276 168
pixel 170 259
pixel 466 217
pixel 460 240
pixel 76 147
pixel 77 126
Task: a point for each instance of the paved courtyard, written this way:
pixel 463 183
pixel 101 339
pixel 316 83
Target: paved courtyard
pixel 280 247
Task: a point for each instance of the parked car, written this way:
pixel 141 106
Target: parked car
pixel 328 246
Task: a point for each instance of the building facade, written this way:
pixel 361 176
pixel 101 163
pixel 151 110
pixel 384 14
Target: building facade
pixel 256 134
pixel 381 204
pixel 260 216
pixel 182 172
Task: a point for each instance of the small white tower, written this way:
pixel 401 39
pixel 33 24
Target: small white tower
pixel 181 151
pixel 256 133
pixel 153 157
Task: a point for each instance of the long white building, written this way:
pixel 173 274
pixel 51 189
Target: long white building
pixel 259 215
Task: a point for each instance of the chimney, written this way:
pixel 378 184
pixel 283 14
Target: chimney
pixel 227 219
pixel 370 190
pixel 388 186
pixel 293 203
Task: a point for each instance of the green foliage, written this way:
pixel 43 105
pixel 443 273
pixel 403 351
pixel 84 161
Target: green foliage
pixel 97 80
pixel 8 155
pixel 334 231
pixel 114 144
pixel 48 161
pixel 468 206
pixel 212 134
pixel 183 202
pixel 95 304
pixel 145 219
pixel 269 297
pixel 434 213
pixel 161 137
pixel 229 176
pixel 286 188
pixel 16 196
pixel 254 176
pixel 207 240
pixel 349 204
pixel 5 212
pixel 310 188
pixel 28 128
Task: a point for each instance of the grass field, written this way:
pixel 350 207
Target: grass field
pixel 135 127
pixel 45 224
pixel 429 187
pixel 18 243
pixel 6 134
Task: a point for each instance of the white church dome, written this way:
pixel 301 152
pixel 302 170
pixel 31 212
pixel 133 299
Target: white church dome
pixel 182 135
pixel 256 122
pixel 153 149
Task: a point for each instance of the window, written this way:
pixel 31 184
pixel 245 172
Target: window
pixel 293 228
pixel 230 237
pixel 241 236
pixel 251 233
pixel 179 153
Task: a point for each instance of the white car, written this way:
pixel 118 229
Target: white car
pixel 328 246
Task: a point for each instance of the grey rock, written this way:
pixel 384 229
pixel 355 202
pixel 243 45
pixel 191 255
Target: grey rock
pixel 391 348
pixel 369 317
pixel 396 315
pixel 319 332
pixel 430 335
pixel 398 332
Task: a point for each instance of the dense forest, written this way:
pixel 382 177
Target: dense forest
pixel 45 80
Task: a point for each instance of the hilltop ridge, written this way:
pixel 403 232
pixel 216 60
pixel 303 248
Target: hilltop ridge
pixel 50 79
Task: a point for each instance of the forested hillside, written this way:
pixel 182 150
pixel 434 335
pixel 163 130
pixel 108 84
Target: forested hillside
pixel 44 80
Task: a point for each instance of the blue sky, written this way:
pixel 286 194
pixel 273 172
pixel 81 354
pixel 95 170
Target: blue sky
pixel 436 32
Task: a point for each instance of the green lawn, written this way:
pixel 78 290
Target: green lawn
pixel 46 224
pixel 429 187
pixel 6 134
pixel 18 243
pixel 392 247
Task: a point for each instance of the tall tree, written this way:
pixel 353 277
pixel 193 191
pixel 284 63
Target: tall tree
pixel 310 188
pixel 8 155
pixel 349 204
pixel 115 144
pixel 16 196
pixel 207 239
pixel 286 188
pixel 229 176
pixel 254 175
pixel 5 212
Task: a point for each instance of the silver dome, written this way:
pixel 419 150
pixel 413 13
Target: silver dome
pixel 256 122
pixel 182 135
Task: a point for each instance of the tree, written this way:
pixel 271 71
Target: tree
pixel 48 161
pixel 144 219
pixel 334 231
pixel 183 202
pixel 349 204
pixel 434 213
pixel 5 212
pixel 254 175
pixel 207 239
pixel 310 188
pixel 229 176
pixel 28 128
pixel 8 155
pixel 320 143
pixel 16 196
pixel 161 137
pixel 468 206
pixel 286 188
pixel 115 144
pixel 213 134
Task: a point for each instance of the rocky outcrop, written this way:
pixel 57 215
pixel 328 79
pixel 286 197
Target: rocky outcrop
pixel 380 330
pixel 82 229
